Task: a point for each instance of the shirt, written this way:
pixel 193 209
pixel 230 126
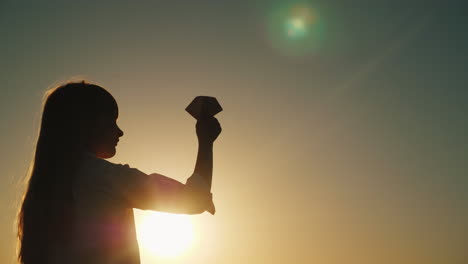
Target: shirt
pixel 104 196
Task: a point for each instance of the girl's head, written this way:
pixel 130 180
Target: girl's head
pixel 81 117
pixel 77 118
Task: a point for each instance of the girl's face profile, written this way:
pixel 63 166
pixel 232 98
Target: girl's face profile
pixel 105 136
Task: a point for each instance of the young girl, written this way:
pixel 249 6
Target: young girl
pixel 78 207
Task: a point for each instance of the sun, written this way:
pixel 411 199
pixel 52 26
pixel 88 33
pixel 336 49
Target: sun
pixel 163 234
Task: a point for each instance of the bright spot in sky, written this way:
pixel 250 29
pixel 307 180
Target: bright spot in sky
pixel 296 27
pixel 165 235
pixel 297 23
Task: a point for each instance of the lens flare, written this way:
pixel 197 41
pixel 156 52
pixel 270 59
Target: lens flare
pixel 295 29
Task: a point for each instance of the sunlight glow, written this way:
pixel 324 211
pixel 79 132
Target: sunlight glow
pixel 165 235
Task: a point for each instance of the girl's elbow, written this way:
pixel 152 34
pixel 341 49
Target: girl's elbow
pixel 195 212
pixel 196 209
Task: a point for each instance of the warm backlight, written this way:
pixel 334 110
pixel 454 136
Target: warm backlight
pixel 164 235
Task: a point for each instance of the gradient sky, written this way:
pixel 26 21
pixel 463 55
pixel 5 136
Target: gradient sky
pixel 353 151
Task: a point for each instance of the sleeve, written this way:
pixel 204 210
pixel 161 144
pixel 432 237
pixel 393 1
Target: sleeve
pixel 155 191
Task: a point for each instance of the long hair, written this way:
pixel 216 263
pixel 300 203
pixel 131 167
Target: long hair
pixel 45 218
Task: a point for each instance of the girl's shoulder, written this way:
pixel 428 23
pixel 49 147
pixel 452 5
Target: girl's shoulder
pixel 91 162
pixel 96 168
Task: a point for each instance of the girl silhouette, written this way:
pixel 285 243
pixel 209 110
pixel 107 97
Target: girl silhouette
pixel 78 207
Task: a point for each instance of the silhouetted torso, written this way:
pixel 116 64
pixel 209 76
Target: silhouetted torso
pixel 104 229
pixel 104 196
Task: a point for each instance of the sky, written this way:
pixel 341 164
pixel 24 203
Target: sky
pixel 344 130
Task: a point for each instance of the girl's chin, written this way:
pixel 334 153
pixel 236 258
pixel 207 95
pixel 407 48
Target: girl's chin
pixel 107 154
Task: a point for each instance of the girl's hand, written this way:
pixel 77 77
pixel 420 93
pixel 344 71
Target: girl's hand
pixel 208 129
